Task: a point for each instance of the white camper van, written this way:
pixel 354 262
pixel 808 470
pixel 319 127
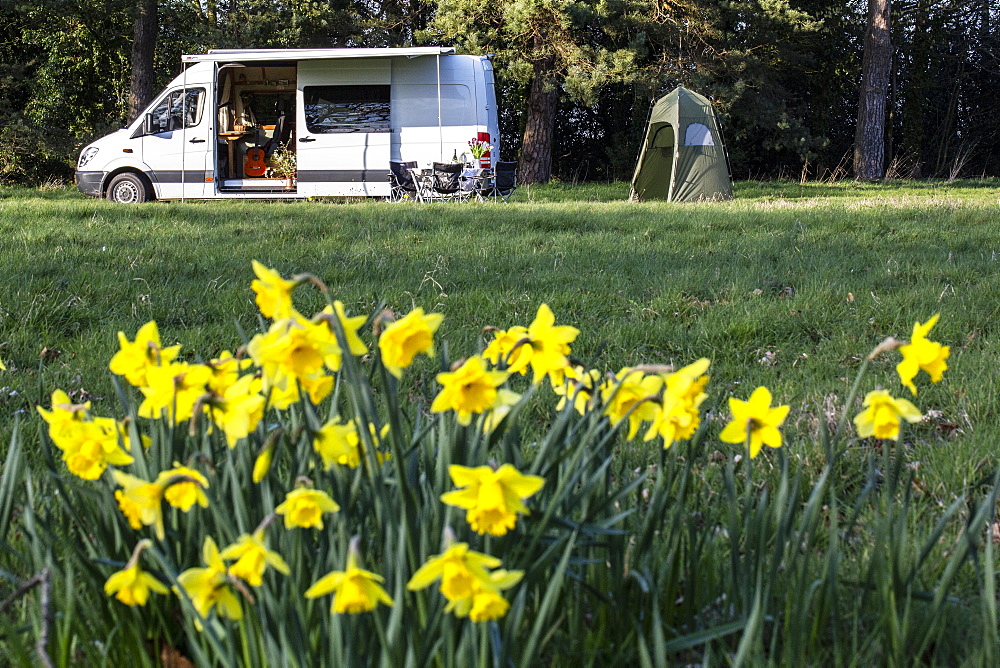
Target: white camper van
pixel 219 130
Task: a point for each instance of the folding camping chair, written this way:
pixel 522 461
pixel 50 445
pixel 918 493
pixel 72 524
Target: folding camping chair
pixel 401 185
pixel 448 181
pixel 502 185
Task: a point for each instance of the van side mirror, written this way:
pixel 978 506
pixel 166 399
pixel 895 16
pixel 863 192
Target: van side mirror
pixel 147 124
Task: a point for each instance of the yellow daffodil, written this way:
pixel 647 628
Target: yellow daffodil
pixel 458 568
pixel 238 411
pixel 2 367
pixel 132 585
pixel 354 590
pixel 922 354
pixel 262 464
pixel 252 558
pixel 486 602
pixel 881 417
pixel 633 394
pixel 505 401
pixel 406 338
pixel 304 508
pixel 755 421
pixel 510 349
pixel 492 499
pixel 135 358
pixel 468 390
pixel 350 325
pixel 576 385
pixel 340 443
pixel 679 415
pixel 88 445
pixel 549 344
pixel 294 349
pixel 64 414
pixel 274 293
pixel 183 487
pixel 139 501
pixel 226 371
pixel 209 587
pixel 174 390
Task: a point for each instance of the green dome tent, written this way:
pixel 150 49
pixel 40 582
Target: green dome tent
pixel 691 168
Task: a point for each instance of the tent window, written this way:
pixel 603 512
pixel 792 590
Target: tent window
pixel 664 138
pixel 698 134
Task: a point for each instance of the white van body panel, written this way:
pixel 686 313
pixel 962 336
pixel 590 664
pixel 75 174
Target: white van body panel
pixel 418 104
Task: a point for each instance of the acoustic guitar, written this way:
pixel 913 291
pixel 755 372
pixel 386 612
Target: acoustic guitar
pixel 255 165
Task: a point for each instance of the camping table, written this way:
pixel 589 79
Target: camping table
pixel 473 177
pixel 231 137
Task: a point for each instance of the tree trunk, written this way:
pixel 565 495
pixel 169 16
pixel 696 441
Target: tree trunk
pixel 869 137
pixel 143 48
pixel 539 125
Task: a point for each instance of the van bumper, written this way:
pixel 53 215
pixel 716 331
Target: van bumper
pixel 89 183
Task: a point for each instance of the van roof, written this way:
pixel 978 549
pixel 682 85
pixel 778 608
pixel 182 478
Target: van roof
pixel 215 55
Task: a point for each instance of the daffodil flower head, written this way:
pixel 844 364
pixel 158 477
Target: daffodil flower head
pixel 882 414
pixel 64 417
pixel 174 390
pixel 922 354
pixel 549 343
pixel 140 501
pixel 208 587
pixel 262 464
pixel 634 395
pixel 304 508
pixel 458 568
pixel 575 384
pixel 136 358
pixel 183 487
pixel 510 349
pixel 252 558
pixel 294 349
pixel 492 499
pixel 239 410
pixel 132 585
pixel 755 422
pixel 355 590
pixel 338 442
pixel 274 293
pixel 679 413
pixel 486 602
pixel 404 339
pixel 468 390
pixel 350 325
pixel 89 445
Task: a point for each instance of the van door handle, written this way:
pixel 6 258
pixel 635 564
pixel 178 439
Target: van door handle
pixel 197 141
pixel 305 139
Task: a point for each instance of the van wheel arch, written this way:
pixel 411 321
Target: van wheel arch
pixel 129 187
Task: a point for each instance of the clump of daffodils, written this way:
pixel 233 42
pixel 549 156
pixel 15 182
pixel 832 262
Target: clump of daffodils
pixel 289 422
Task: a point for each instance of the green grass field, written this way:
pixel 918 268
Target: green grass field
pixel 788 286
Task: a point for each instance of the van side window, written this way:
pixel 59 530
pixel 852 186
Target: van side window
pixel 179 109
pixel 331 109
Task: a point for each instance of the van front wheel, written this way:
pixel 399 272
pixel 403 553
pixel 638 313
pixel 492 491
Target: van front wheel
pixel 128 189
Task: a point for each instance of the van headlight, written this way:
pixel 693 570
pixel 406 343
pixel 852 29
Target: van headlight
pixel 87 156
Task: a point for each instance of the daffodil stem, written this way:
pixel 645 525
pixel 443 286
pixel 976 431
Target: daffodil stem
pixel 849 403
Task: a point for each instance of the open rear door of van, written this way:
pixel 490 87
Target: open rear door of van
pixel 343 127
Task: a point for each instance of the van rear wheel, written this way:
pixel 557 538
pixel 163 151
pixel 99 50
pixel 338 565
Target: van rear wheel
pixel 128 188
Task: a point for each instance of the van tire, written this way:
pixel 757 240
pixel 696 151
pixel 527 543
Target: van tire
pixel 128 188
